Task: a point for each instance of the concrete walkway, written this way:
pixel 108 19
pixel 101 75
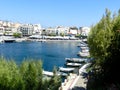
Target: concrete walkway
pixel 80 84
pixel 73 82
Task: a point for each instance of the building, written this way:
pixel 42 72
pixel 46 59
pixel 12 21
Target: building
pixel 50 31
pixel 37 29
pixel 1 30
pixel 26 29
pixel 60 30
pixel 73 31
pixel 84 31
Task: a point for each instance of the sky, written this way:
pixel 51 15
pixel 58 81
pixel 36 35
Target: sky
pixel 51 13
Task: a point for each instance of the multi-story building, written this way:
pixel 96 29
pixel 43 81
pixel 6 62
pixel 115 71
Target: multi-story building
pixel 26 29
pixel 7 28
pixel 84 31
pixel 50 31
pixel 1 30
pixel 60 30
pixel 37 29
pixel 73 31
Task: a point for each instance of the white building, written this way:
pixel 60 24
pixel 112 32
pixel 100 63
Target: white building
pixel 1 30
pixel 50 31
pixel 85 31
pixel 26 29
pixel 62 30
pixel 7 28
pixel 73 31
pixel 37 29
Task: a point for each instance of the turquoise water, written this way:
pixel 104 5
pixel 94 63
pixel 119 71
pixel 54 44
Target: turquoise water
pixel 52 53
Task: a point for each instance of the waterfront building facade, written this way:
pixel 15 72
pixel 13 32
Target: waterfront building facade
pixel 26 29
pixel 37 29
pixel 1 30
pixel 84 31
pixel 9 28
pixel 73 31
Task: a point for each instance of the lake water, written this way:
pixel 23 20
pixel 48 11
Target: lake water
pixel 52 53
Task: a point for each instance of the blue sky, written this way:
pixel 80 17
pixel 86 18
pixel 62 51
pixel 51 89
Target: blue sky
pixel 51 13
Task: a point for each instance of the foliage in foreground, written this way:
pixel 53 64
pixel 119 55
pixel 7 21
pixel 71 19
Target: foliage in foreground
pixel 104 43
pixel 27 76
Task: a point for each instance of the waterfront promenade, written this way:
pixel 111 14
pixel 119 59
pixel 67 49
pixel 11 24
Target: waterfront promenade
pixel 74 82
pixel 48 40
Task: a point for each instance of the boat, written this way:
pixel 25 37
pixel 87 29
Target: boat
pixel 73 64
pixel 83 54
pixel 63 74
pixel 50 74
pixel 85 50
pixel 77 60
pixel 82 44
pixel 84 47
pixel 62 69
pixel 8 39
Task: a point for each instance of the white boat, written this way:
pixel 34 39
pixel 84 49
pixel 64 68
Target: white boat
pixel 63 74
pixel 82 44
pixel 50 74
pixel 8 39
pixel 73 64
pixel 85 50
pixel 78 60
pixel 62 69
pixel 47 73
pixel 84 47
pixel 83 54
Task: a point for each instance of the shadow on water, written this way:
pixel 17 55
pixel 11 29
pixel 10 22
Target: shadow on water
pixel 78 88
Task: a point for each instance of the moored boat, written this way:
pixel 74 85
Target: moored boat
pixel 77 60
pixel 73 64
pixel 9 40
pixel 50 74
pixel 83 54
pixel 62 69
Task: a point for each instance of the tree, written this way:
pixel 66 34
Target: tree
pixel 99 38
pixel 55 81
pixel 17 35
pixel 104 43
pixel 111 64
pixel 26 76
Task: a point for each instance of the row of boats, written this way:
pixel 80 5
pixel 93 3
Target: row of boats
pixel 74 65
pixel 84 50
pixel 71 65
